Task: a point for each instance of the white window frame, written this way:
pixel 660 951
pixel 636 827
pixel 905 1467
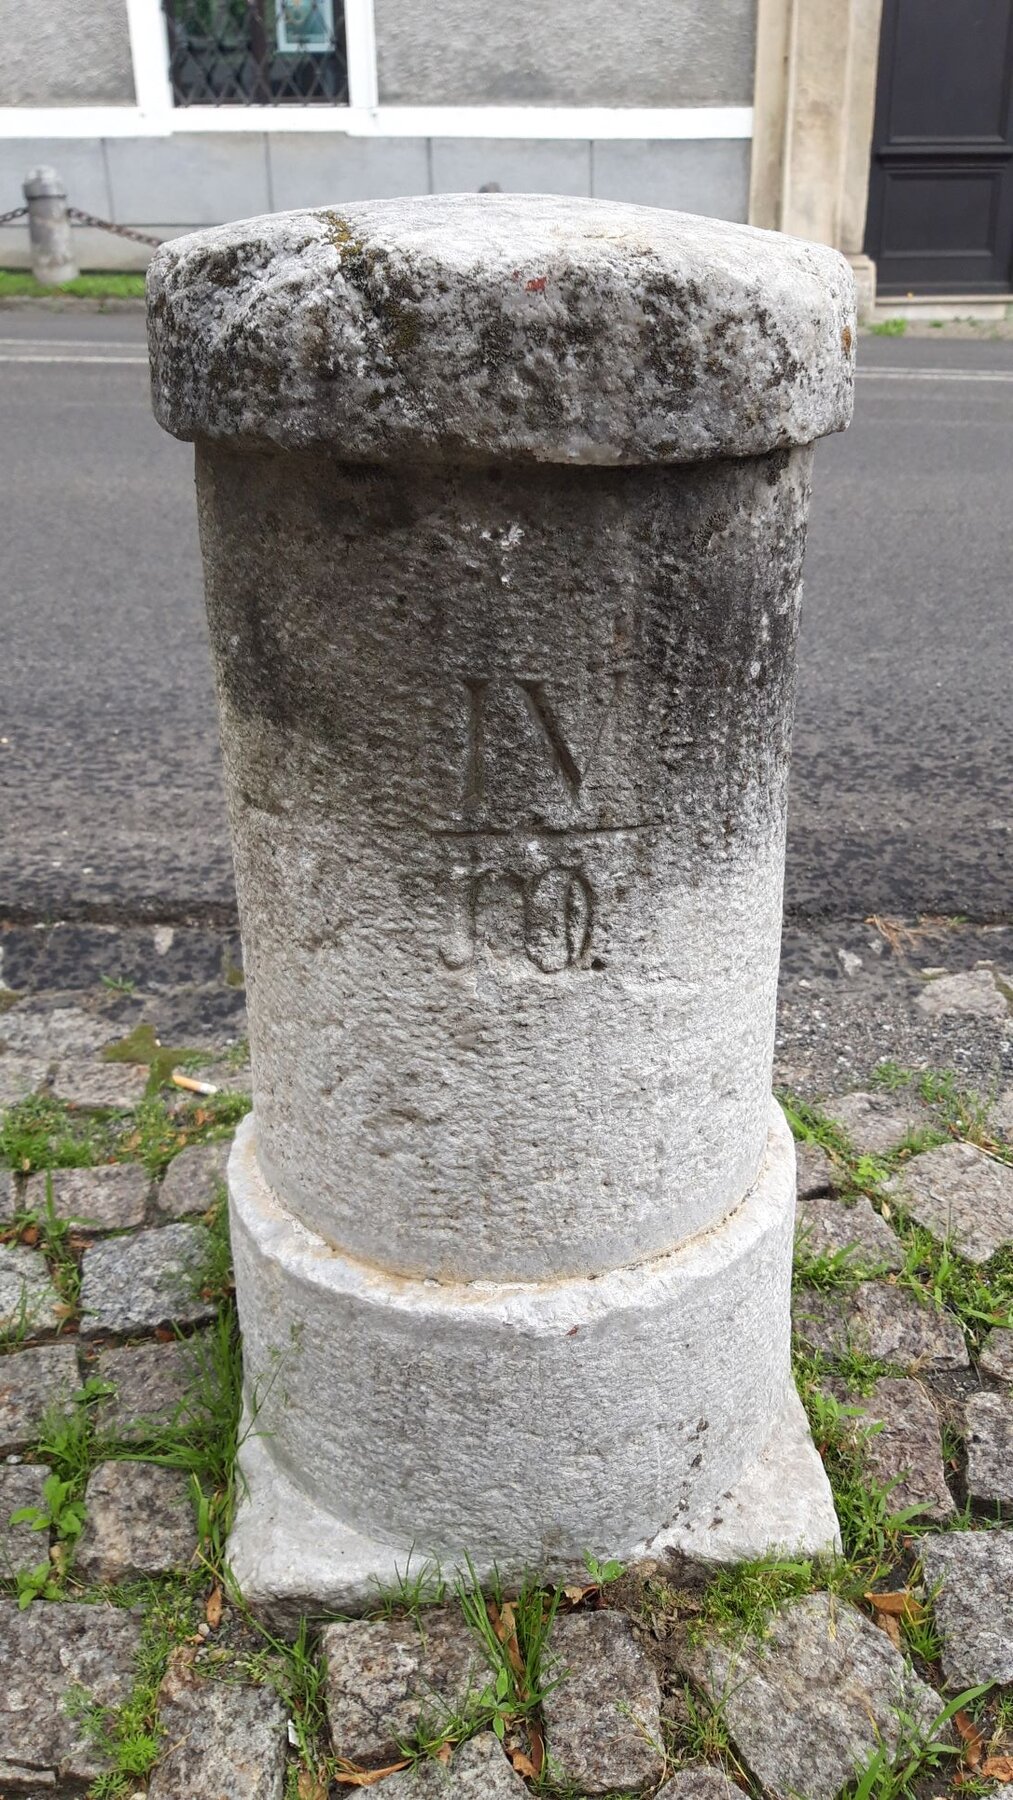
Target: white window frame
pixel 154 114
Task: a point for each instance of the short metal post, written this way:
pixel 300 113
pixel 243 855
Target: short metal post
pixel 49 231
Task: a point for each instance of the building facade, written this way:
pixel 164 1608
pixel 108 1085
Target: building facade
pixel 167 115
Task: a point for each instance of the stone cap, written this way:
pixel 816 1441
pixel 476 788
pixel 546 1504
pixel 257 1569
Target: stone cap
pixel 478 327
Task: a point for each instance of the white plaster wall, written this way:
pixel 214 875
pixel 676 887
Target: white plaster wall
pixel 569 53
pixel 65 53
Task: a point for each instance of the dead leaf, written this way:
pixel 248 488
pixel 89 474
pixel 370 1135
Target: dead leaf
pixel 577 1595
pixel 899 1605
pixel 524 1765
pixel 350 1776
pixel 444 1753
pixel 30 1235
pixel 310 1786
pixel 974 1740
pixel 998 1768
pixel 506 1631
pixel 213 1609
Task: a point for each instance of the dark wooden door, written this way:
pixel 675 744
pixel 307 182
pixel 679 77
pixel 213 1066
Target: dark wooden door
pixel 941 194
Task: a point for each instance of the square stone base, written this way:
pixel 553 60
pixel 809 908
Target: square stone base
pixel 290 1557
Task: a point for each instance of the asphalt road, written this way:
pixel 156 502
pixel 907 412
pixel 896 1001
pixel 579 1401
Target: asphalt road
pixel 110 803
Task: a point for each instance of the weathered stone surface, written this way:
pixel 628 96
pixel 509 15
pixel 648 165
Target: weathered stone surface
pixel 907 1450
pixel 223 1741
pixel 996 1356
pixel 479 1769
pixel 46 1653
pixel 27 1296
pixel 974 1606
pixel 826 1227
pixel 118 1086
pixel 959 1193
pixel 373 347
pixel 30 1382
pixel 110 1198
pixel 153 1385
pixel 139 1522
pixel 134 1284
pixel 876 1123
pixel 814 1170
pixel 885 1322
pixel 631 1337
pixel 989 1432
pixel 384 1675
pixel 699 1784
pixel 21 1076
pixel 51 1032
pixel 1002 1114
pixel 814 1699
pixel 603 1719
pixel 557 876
pixel 192 1179
pixel 20 1546
pixel 974 992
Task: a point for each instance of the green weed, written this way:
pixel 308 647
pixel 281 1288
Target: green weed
pixel 130 1737
pixel 889 328
pixel 918 1753
pixel 43 1133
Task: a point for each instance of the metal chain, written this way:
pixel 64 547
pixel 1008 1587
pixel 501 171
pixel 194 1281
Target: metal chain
pixel 17 212
pixel 124 231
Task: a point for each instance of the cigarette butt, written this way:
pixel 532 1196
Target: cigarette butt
pixel 192 1086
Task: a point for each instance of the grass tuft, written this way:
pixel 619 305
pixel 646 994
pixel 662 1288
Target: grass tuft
pixel 18 284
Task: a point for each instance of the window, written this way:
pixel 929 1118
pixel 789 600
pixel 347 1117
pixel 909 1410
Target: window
pixel 257 52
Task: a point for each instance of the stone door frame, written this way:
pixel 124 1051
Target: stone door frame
pixel 814 107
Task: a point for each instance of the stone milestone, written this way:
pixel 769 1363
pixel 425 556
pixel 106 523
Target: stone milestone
pixel 503 506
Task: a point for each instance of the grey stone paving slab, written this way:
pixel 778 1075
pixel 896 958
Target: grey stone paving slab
pixel 603 1720
pixel 192 1179
pixel 875 1123
pixel 384 1675
pixel 814 1699
pixel 110 1198
pixel 974 1605
pixel 885 1322
pixel 118 1086
pixel 31 1381
pixel 996 1356
pixel 46 1652
pixel 908 1449
pixel 151 1383
pixel 134 1284
pixel 20 1546
pixel 50 1032
pixel 223 1741
pixel 827 1227
pixel 814 1170
pixel 974 992
pixel 27 1295
pixel 21 1076
pixel 139 1522
pixel 478 1769
pixel 699 1784
pixel 1002 1114
pixel 958 1192
pixel 989 1431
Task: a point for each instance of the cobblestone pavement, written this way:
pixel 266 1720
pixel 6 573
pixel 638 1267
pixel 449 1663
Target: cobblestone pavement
pixel 129 1667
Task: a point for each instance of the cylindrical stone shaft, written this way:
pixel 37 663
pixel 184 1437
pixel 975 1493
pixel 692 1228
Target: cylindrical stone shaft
pixel 502 509
pixel 50 235
pixel 506 755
